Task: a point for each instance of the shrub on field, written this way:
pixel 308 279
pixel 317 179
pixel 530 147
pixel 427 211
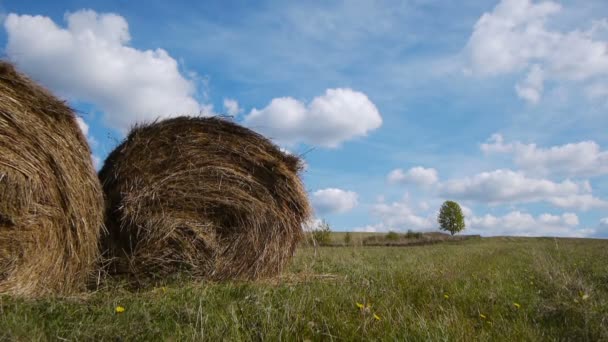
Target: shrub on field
pixel 392 236
pixel 347 238
pixel 413 235
pixel 322 233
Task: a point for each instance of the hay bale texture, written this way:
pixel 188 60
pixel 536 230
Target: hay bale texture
pixel 51 202
pixel 202 196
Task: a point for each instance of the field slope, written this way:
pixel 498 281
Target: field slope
pixel 485 289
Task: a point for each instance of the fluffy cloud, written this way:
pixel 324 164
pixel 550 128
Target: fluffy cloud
pixel 90 60
pixel 515 36
pixel 582 202
pixel 597 91
pixel 328 120
pixel 531 88
pixel 370 228
pixel 523 224
pixel 232 107
pixel 84 127
pixel 96 162
pixel 506 186
pixel 331 200
pixel 399 216
pixel 416 175
pixel 584 158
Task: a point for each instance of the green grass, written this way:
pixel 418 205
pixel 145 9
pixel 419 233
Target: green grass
pixel 316 298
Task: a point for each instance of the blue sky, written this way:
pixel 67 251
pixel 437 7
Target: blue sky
pixel 397 105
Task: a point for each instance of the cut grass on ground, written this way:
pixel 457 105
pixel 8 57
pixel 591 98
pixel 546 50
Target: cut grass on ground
pixel 487 289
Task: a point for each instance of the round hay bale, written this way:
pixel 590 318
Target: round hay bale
pixel 51 202
pixel 202 196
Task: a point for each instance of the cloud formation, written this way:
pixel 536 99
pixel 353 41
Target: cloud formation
pixel 516 37
pixel 232 107
pixel 417 175
pixel 523 224
pixel 583 158
pixel 328 120
pixel 399 216
pixel 334 201
pixel 90 60
pixel 508 187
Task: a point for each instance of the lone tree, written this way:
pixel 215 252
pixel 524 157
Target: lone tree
pixel 450 217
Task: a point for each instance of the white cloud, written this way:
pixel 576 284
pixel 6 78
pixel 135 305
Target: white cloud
pixel 584 158
pixel 516 36
pixel 399 216
pixel 531 88
pixel 311 224
pixel 466 211
pixel 523 224
pixel 368 229
pixel 340 114
pixel 90 60
pixel 495 144
pixel 582 202
pixel 82 125
pixel 507 186
pixel 331 200
pixel 416 175
pixel 597 90
pixel 424 205
pixel 96 162
pixel 232 107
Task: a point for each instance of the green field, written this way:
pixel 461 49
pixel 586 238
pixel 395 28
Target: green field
pixel 486 289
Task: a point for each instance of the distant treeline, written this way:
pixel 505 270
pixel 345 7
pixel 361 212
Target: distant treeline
pixel 410 238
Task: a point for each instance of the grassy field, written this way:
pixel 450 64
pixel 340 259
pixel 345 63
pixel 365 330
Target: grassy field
pixel 488 289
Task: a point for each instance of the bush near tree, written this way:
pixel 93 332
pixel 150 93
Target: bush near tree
pixel 322 233
pixel 413 235
pixel 392 236
pixel 347 238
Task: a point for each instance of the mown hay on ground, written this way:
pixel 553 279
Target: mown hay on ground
pixel 202 196
pixel 51 203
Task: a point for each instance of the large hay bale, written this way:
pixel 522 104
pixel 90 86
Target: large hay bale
pixel 202 196
pixel 51 203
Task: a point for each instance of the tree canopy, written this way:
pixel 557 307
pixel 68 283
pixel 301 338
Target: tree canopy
pixel 450 217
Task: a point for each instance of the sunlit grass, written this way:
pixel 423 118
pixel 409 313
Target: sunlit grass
pixel 489 289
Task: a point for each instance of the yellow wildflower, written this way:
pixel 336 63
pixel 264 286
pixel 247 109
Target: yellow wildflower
pixel 446 296
pixel 585 296
pixel 482 316
pixel 119 309
pixel 360 306
pixel 517 305
pixel 376 317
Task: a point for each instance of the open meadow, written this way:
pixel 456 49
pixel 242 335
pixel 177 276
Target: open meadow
pixel 516 289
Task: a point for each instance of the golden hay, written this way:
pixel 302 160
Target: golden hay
pixel 51 203
pixel 203 196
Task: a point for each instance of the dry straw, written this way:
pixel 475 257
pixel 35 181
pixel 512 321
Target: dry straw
pixel 51 203
pixel 202 196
